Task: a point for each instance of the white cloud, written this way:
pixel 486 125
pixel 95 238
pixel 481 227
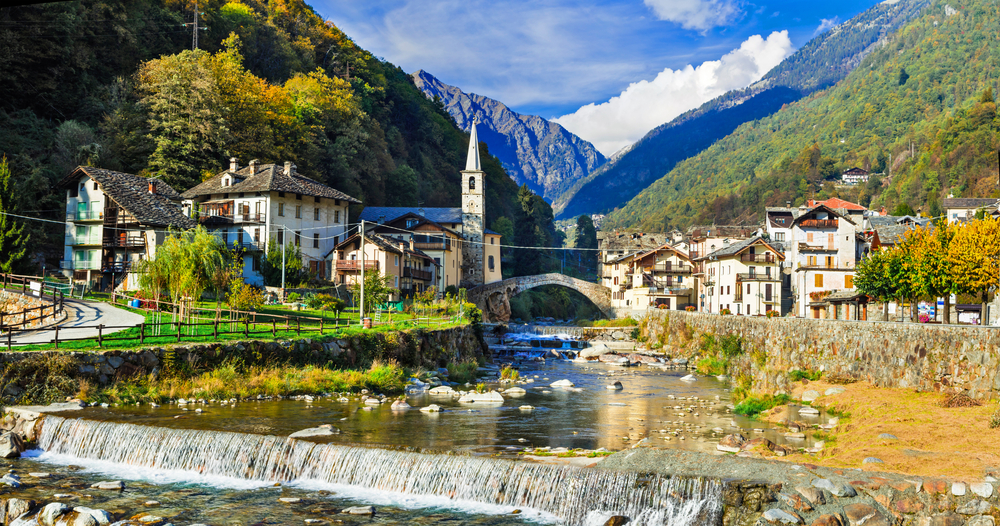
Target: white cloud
pixel 826 24
pixel 645 105
pixel 700 15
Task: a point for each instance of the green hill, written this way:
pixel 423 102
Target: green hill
pixel 923 100
pixel 79 83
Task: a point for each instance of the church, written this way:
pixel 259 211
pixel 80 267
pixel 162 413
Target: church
pixel 424 247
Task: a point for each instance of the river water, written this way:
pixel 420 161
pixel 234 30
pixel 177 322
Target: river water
pixel 220 465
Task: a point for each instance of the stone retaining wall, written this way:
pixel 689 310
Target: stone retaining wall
pixel 885 354
pixel 15 302
pixel 417 348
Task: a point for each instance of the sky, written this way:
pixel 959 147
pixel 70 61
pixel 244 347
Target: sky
pixel 607 70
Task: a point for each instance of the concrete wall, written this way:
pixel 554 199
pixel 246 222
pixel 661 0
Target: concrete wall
pixel 908 355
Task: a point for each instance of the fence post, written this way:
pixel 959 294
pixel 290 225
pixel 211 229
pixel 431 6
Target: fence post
pixel 10 332
pixel 321 325
pixel 298 326
pixel 100 335
pixel 24 318
pixel 274 329
pixel 215 329
pixel 142 329
pixel 1 320
pixel 179 330
pixel 57 336
pixel 246 326
pixel 288 323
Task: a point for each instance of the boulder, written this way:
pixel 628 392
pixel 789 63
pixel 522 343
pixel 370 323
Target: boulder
pixel 617 386
pixel 827 520
pixel 983 489
pixel 433 408
pixel 810 395
pixel 617 520
pixel 315 432
pixel 839 489
pixel 515 392
pixel 109 485
pixel 689 378
pixel 17 508
pixel 82 519
pixel 102 517
pixel 861 513
pixel 11 445
pixel 731 443
pixel 780 516
pixel 400 405
pixel 359 510
pixel 594 351
pixel 561 383
pixel 813 495
pixel 526 408
pixel 491 397
pixel 834 391
pixel 808 411
pixel 51 512
pixel 442 390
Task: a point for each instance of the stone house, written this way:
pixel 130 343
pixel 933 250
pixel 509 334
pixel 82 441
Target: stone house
pixel 960 210
pixel 823 255
pixel 743 277
pixel 411 271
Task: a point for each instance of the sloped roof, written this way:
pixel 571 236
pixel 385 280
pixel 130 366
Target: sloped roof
pixel 841 213
pixel 961 202
pixel 632 241
pixel 736 248
pixel 267 178
pixel 386 214
pixel 838 203
pixel 734 231
pixel 387 244
pixel 666 246
pixel 892 234
pixel 131 192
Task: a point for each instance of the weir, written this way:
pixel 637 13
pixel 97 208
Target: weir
pixel 576 496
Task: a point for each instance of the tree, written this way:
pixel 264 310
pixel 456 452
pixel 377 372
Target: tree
pixel 186 116
pixel 13 240
pixel 873 278
pixel 903 209
pixel 271 266
pixel 928 266
pixel 973 254
pixel 586 239
pixel 182 266
pixel 377 291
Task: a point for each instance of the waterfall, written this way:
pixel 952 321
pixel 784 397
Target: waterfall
pixel 576 496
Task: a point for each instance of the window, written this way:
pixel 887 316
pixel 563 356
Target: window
pixel 410 223
pixel 225 181
pixel 437 261
pixel 255 264
pixel 315 240
pixel 298 211
pixel 848 282
pixel 767 294
pixel 491 263
pixel 239 237
pixel 492 239
pixel 397 281
pixel 298 197
pixel 256 235
pixel 748 288
pixel 729 289
pixel 809 237
pixel 281 237
pixel 779 236
pixel 336 216
pixel 395 260
pixel 829 261
pixel 316 214
pixel 616 280
pixel 95 185
pixel 281 209
pixel 281 194
pixel 316 199
pixel 298 237
pixel 336 240
pixel 819 280
pixel 472 183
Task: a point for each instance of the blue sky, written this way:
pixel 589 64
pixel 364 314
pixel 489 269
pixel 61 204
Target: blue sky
pixel 605 69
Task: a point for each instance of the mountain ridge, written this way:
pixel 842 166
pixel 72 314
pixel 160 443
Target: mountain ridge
pixel 533 150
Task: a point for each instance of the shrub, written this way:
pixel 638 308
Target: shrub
pixel 463 372
pixel 732 346
pixel 725 312
pixel 773 314
pixel 293 297
pixel 712 365
pixel 509 373
pixel 798 375
pixel 753 406
pixel 995 419
pixel 480 388
pixel 690 308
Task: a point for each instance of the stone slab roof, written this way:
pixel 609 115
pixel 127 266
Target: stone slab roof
pixel 267 178
pixel 385 214
pixel 961 202
pixel 131 192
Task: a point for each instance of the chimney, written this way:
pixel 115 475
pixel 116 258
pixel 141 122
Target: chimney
pixel 152 187
pixel 411 244
pixel 253 166
pixel 289 168
pixel 402 247
pixel 234 165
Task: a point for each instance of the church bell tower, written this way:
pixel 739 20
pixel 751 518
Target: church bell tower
pixel 473 215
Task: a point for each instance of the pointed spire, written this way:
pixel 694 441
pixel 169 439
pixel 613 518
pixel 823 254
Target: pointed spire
pixel 472 161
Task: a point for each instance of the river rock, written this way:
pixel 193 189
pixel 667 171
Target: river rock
pixel 51 512
pixel 526 408
pixel 290 500
pixel 594 351
pixel 974 507
pixel 839 489
pixel 779 516
pixel 109 485
pixel 810 396
pixel 11 445
pixel 617 386
pixel 827 520
pixel 491 397
pixel 82 519
pixel 149 519
pixel 373 402
pixel 876 460
pixel 442 390
pixel 617 520
pixel 888 436
pixel 834 391
pixel 561 383
pixel 731 443
pixel 983 489
pixel 11 480
pixel 102 517
pixel 689 378
pixel 515 392
pixel 315 432
pixel 808 411
pixel 813 495
pixel 861 513
pixel 400 405
pixel 981 520
pixel 433 408
pixel 359 510
pixel 18 507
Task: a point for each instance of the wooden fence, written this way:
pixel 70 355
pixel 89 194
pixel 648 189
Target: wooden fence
pixel 22 285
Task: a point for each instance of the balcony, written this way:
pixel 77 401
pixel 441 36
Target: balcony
pixel 247 246
pixel 819 223
pixel 815 248
pixel 432 245
pixel 79 265
pixel 125 241
pixel 670 269
pixel 85 215
pixel 757 258
pixel 354 265
pixel 230 219
pixel 747 276
pixel 91 239
pixel 119 267
pixel 694 254
pixel 416 274
pixel 822 265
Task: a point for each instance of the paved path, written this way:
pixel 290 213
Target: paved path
pixel 81 313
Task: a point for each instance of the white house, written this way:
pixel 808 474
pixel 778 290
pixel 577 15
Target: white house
pixel 823 256
pixel 743 277
pixel 258 204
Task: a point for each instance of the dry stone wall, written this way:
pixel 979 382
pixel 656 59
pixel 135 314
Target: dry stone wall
pixel 15 302
pixel 885 354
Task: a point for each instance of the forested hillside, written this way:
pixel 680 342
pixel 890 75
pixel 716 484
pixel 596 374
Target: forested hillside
pixel 820 63
pixel 925 99
pixel 115 84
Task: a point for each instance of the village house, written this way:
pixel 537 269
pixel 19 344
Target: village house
pixel 960 210
pixel 113 220
pixel 661 278
pixel 615 244
pixel 824 251
pixel 467 254
pixel 249 207
pixel 411 271
pixel 743 277
pixel 855 175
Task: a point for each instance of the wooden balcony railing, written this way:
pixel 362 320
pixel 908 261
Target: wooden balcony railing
pixel 670 269
pixel 757 258
pixel 132 241
pixel 757 276
pixel 416 274
pixel 435 245
pixel 819 223
pixel 354 265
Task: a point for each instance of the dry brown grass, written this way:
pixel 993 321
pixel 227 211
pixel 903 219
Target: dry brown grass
pixel 959 400
pixel 954 442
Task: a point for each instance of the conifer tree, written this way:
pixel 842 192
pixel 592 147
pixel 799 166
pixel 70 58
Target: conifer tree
pixel 13 240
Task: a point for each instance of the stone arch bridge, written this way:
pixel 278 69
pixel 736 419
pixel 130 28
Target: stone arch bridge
pixel 494 298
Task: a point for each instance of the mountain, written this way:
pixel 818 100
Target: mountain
pixel 534 151
pixel 272 80
pixel 819 64
pixel 918 111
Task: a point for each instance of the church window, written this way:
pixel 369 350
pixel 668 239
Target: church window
pixel 472 183
pixel 491 263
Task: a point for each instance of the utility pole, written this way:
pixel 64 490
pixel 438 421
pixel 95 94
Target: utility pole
pixel 194 38
pixel 361 311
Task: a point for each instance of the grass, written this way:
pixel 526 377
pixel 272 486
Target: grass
pixel 463 372
pixel 753 406
pixel 798 375
pixel 618 322
pixel 712 365
pixel 509 373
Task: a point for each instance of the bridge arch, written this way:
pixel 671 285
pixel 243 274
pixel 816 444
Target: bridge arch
pixel 494 298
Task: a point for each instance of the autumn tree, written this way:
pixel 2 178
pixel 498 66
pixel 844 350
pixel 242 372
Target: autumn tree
pixel 928 267
pixel 974 257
